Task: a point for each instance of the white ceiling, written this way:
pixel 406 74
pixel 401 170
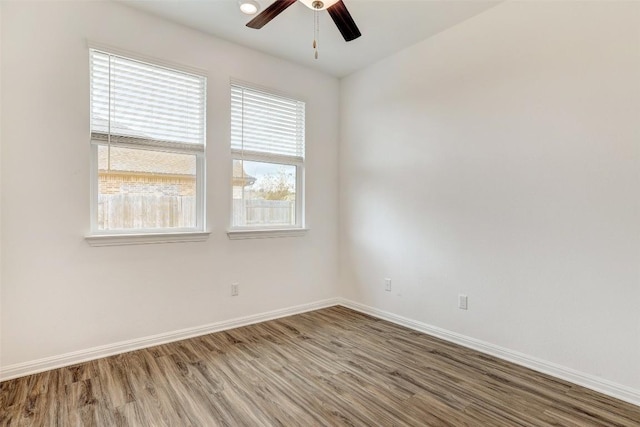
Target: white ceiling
pixel 387 26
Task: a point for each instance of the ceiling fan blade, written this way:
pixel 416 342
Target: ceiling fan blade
pixel 344 21
pixel 275 9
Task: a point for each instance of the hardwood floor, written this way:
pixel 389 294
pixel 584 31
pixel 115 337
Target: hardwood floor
pixel 329 367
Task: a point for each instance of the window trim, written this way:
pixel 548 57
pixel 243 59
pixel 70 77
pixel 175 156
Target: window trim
pixel 266 231
pixel 98 240
pixel 97 237
pixel 114 50
pixel 237 234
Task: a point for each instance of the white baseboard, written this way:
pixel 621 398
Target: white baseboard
pixel 585 380
pixel 48 363
pixel 589 381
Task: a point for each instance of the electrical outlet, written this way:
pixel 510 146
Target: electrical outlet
pixel 463 302
pixel 235 289
pixel 387 285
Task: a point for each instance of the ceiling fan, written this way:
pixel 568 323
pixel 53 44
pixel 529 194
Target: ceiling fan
pixel 336 8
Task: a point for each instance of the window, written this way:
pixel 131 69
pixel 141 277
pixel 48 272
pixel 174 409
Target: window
pixel 267 147
pixel 148 145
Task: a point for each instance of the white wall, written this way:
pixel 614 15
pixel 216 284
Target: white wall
pixel 497 159
pixel 0 184
pixel 59 295
pixel 500 159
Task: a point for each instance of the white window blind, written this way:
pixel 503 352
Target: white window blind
pixel 263 123
pixel 133 102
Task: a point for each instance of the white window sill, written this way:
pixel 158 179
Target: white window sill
pixel 145 238
pixel 266 233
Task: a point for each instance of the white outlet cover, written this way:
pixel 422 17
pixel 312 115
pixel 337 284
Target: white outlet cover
pixel 463 302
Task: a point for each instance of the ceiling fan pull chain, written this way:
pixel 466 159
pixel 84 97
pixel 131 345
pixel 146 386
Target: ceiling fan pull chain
pixel 317 5
pixel 315 34
pixel 314 30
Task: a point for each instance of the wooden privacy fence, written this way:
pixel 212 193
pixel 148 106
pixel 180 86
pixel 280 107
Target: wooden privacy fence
pixel 129 211
pixel 123 211
pixel 264 212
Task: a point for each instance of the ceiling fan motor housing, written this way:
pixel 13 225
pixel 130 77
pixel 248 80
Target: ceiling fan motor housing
pixel 323 4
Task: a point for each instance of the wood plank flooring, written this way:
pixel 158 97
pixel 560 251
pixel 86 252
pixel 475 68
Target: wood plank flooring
pixel 331 367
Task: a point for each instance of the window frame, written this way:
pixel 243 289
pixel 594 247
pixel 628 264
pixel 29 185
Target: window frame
pixel 299 203
pixel 200 195
pixel 262 231
pixel 99 237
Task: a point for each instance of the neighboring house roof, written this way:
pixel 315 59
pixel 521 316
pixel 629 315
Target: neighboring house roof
pixel 160 163
pixel 146 161
pixel 240 177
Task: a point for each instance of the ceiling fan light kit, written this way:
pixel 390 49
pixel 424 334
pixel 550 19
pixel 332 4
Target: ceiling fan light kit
pixel 249 7
pixel 336 9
